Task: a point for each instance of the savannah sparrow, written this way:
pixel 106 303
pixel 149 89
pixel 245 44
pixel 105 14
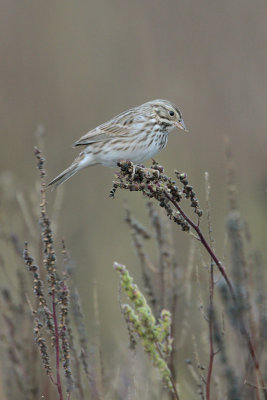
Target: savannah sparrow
pixel 135 135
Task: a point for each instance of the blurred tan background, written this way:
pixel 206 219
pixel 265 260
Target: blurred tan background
pixel 73 65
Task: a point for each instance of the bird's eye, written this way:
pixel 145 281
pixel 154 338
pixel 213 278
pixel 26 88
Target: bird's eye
pixel 171 113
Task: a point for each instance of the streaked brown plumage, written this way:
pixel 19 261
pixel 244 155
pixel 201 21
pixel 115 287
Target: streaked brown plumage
pixel 136 135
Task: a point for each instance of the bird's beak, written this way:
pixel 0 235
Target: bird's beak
pixel 181 125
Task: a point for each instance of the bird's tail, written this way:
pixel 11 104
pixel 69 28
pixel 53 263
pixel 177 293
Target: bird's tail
pixel 64 176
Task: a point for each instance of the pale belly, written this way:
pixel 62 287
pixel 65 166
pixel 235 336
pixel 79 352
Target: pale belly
pixel 137 153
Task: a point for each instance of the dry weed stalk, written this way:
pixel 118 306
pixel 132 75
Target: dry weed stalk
pixel 57 307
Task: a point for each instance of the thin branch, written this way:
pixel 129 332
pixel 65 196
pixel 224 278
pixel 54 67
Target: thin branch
pixel 205 244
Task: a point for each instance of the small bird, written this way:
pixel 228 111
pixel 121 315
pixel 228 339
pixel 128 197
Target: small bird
pixel 135 135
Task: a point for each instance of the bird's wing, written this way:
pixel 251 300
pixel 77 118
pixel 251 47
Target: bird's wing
pixel 116 127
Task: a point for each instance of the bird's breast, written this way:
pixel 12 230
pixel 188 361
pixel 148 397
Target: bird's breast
pixel 161 139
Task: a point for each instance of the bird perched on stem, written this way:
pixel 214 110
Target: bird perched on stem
pixel 135 135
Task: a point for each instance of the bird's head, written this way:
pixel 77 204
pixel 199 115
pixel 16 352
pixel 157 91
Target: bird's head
pixel 168 115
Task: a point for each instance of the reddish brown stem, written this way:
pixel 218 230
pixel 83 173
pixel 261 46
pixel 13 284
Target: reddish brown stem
pixel 221 268
pixel 58 380
pixel 205 244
